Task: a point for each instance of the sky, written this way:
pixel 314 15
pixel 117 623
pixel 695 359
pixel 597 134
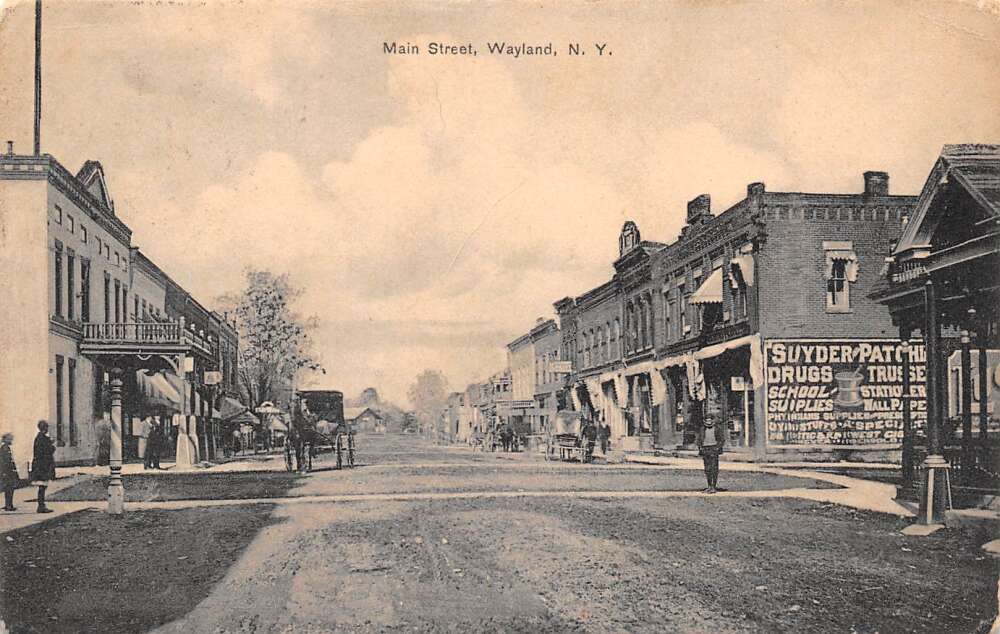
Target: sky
pixel 433 207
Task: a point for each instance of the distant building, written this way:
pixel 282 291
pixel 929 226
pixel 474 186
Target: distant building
pixel 365 419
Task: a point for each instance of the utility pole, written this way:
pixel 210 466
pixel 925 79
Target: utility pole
pixel 38 77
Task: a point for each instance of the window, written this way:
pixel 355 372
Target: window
pixel 651 321
pixel 59 278
pixel 684 325
pixel 145 310
pixel 118 259
pixel 58 215
pixel 107 298
pixel 118 298
pixel 135 313
pixel 70 224
pixel 667 330
pixel 83 234
pixel 841 272
pixel 84 290
pixel 107 251
pixel 124 303
pixel 59 400
pixel 70 285
pixel 838 291
pixel 73 436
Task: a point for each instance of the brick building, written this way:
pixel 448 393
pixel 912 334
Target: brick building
pixel 550 372
pixel 759 316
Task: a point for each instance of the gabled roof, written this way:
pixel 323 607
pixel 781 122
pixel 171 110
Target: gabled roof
pixel 973 167
pixel 353 413
pixel 91 176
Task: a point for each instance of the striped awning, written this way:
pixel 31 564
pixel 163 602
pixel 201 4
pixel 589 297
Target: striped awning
pixel 710 292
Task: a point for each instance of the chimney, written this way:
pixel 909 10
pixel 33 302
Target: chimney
pixel 755 189
pixel 699 208
pixel 876 184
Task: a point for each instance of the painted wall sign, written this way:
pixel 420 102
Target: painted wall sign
pixel 840 392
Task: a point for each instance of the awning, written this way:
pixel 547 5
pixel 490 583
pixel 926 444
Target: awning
pixel 230 407
pixel 277 425
pixel 157 390
pixel 741 266
pixel 850 259
pixel 710 292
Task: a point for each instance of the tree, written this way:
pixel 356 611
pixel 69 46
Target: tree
pixel 274 340
pixel 428 395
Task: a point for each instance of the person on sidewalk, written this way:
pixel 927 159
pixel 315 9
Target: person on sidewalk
pixel 43 464
pixel 710 445
pixel 604 434
pixel 154 445
pixel 8 472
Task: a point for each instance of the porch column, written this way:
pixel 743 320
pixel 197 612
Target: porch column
pixel 966 359
pixel 907 457
pixel 983 393
pixel 116 491
pixel 936 494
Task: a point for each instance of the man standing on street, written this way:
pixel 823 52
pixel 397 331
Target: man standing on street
pixel 43 464
pixel 8 472
pixel 710 442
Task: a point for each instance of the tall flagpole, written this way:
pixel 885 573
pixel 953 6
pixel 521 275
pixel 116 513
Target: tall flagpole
pixel 38 77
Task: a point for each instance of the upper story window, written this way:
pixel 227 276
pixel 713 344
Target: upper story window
pixel 83 234
pixel 118 259
pixel 70 223
pixel 841 273
pixel 58 215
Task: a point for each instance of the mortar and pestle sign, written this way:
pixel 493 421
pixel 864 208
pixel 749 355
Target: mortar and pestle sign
pixel 848 389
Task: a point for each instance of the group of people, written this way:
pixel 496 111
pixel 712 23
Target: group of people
pixel 503 438
pixel 591 433
pixel 43 467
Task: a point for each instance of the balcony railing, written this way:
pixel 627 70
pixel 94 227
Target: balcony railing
pixel 146 333
pixel 143 332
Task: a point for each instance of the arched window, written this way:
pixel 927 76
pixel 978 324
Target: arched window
pixel 607 337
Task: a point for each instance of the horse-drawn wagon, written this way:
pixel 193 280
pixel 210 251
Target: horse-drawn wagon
pixel 566 438
pixel 318 423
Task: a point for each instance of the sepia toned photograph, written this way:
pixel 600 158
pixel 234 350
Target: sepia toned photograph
pixel 431 316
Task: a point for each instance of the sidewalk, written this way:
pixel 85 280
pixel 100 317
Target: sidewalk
pixel 25 498
pixel 857 493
